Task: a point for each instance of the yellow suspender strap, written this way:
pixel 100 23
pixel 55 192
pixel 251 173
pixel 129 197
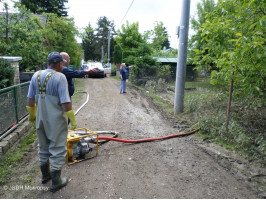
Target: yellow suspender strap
pixel 42 90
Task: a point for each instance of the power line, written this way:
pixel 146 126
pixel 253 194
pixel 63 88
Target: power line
pixel 127 11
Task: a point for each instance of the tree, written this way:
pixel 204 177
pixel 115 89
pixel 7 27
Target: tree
pixel 196 41
pixel 235 41
pixel 32 39
pixel 89 44
pixel 60 35
pixel 235 36
pixel 24 39
pixel 129 40
pixel 160 37
pixel 118 54
pixel 104 25
pixel 136 51
pixel 93 40
pixel 52 6
pixel 7 73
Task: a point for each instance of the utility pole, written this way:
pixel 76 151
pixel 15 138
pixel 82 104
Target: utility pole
pixel 182 58
pixel 102 54
pixel 109 38
pixel 6 7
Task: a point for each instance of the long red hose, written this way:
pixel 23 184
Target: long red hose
pixel 147 139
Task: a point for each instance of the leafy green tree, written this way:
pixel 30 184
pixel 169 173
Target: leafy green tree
pixel 129 40
pixel 93 40
pixel 104 25
pixel 160 37
pixel 6 73
pixel 24 39
pixel 136 51
pixel 196 41
pixel 89 44
pixel 60 35
pixel 52 6
pixel 234 34
pixel 118 54
pixel 235 41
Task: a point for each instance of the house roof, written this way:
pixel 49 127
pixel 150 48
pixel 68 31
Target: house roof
pixel 166 59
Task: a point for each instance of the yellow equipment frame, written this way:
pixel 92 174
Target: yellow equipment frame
pixel 72 137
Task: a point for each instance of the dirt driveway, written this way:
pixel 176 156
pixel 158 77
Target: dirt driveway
pixel 173 168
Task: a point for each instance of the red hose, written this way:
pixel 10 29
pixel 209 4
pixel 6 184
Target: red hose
pixel 147 139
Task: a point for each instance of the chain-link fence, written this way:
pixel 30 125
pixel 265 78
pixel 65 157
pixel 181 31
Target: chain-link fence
pixel 13 102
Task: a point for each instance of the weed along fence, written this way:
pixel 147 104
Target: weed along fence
pixel 13 102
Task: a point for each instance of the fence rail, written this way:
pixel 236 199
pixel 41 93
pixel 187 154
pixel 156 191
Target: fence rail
pixel 13 102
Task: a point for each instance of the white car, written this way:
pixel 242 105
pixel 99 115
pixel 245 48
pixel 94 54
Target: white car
pixel 98 65
pixel 107 68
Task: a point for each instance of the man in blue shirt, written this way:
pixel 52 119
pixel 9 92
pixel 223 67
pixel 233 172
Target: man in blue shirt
pixel 70 74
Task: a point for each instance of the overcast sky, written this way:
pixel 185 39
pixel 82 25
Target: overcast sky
pixel 146 12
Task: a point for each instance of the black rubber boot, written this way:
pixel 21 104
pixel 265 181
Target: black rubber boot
pixel 45 169
pixel 57 181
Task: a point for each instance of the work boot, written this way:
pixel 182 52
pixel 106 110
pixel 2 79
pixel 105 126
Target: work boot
pixel 57 181
pixel 45 169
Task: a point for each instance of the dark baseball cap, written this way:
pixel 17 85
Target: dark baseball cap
pixel 54 57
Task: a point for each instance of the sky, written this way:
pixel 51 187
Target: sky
pixel 145 12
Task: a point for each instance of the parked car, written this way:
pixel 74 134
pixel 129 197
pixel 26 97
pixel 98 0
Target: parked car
pixel 107 68
pixel 98 65
pixel 84 67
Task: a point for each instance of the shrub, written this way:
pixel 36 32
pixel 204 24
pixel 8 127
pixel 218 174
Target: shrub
pixel 156 85
pixel 113 70
pixel 7 73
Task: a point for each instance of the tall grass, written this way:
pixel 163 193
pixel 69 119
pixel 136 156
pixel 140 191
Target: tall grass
pixel 205 106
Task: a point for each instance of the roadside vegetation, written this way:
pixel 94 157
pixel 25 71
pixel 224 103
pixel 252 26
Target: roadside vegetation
pixel 205 108
pixel 227 100
pixel 80 87
pixel 12 158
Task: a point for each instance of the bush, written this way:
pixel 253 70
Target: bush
pixel 113 70
pixel 156 85
pixel 7 73
pixel 164 71
pixel 237 138
pixel 139 75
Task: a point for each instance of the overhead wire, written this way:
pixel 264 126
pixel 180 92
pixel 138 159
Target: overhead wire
pixel 127 11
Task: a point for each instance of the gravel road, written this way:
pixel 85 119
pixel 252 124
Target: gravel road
pixel 174 168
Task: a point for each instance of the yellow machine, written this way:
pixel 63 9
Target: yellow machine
pixel 81 144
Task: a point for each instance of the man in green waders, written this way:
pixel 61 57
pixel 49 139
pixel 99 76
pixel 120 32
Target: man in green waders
pixel 49 105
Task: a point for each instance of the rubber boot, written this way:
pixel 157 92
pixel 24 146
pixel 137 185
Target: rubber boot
pixel 45 169
pixel 57 181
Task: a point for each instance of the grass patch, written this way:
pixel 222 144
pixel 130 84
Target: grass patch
pixel 80 85
pixel 205 107
pixel 165 105
pixel 12 158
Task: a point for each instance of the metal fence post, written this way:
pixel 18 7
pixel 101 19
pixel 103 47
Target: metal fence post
pixel 16 103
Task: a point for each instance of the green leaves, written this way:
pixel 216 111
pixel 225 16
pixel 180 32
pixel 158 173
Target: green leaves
pixel 6 73
pixel 234 35
pixel 30 37
pixel 60 32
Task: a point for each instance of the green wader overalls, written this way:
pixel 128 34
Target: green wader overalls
pixel 51 126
